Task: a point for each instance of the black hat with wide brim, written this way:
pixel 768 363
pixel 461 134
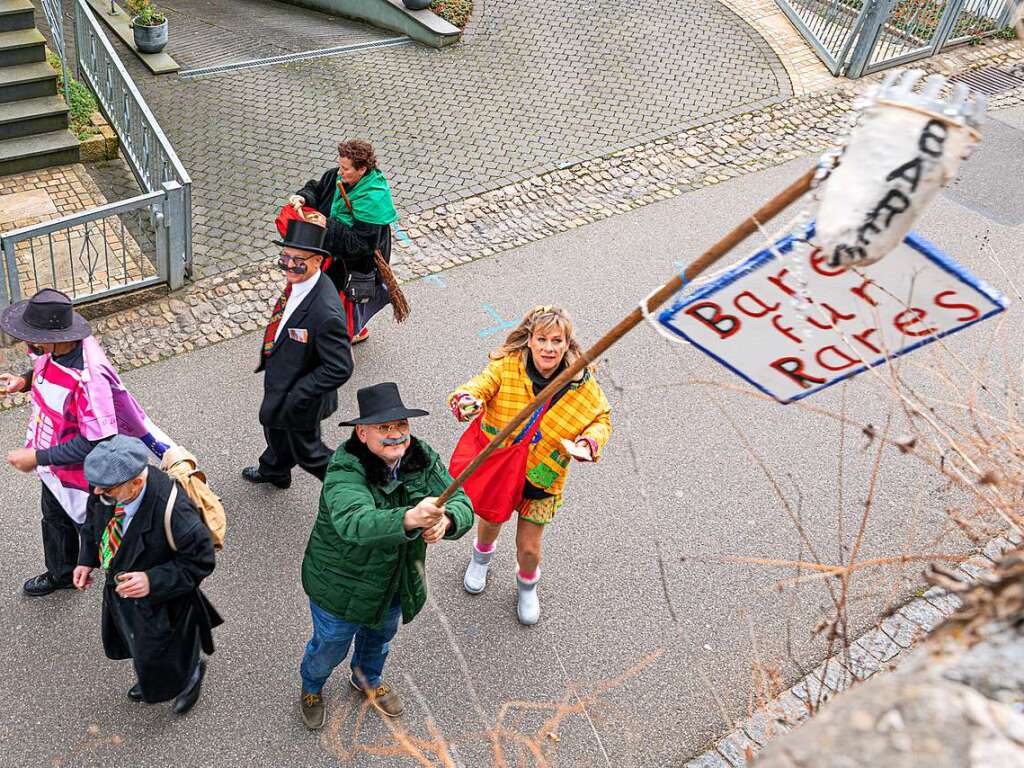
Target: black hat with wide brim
pixel 381 403
pixel 46 318
pixel 304 235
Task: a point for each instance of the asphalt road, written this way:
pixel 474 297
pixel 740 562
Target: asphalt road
pixel 676 478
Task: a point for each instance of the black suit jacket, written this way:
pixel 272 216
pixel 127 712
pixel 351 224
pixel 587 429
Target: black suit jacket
pixel 162 627
pixel 301 377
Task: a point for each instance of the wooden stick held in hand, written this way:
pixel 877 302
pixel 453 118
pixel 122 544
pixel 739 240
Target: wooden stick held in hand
pixel 766 213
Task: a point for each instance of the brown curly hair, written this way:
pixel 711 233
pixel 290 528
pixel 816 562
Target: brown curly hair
pixel 360 152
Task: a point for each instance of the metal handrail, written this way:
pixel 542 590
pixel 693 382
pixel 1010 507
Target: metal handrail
pixel 149 153
pixel 55 19
pixel 75 219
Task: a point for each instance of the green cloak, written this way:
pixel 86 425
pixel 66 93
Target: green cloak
pixel 370 198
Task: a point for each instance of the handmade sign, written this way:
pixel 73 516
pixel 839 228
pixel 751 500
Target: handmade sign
pixel 791 324
pixel 909 146
pixel 905 148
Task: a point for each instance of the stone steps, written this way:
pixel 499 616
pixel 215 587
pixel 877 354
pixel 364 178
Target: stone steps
pixel 30 116
pixel 16 14
pixel 22 46
pixel 33 118
pixel 27 153
pixel 27 81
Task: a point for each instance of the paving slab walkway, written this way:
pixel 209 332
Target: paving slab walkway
pixel 539 84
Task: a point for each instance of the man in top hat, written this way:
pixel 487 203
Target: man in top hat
pixel 306 355
pixel 363 567
pixel 145 533
pixel 78 400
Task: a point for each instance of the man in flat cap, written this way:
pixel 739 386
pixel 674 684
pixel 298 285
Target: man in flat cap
pixel 78 400
pixel 306 355
pixel 364 563
pixel 154 549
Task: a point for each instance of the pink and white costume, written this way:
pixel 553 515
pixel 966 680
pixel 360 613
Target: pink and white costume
pixel 92 402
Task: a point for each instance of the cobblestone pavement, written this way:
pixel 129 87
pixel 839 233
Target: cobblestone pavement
pixel 538 85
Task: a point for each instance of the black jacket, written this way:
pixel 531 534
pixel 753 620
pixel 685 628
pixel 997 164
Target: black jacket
pixel 352 247
pixel 166 623
pixel 301 379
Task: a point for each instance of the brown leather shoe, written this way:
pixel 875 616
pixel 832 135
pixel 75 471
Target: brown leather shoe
pixel 313 710
pixel 383 698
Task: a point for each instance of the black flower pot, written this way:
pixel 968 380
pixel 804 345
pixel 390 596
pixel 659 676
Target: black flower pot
pixel 416 5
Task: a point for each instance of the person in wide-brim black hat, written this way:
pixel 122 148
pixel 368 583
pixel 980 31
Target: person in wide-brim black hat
pixel 78 401
pixel 363 567
pixel 381 403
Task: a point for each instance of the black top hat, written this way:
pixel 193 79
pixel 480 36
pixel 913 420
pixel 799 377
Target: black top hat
pixel 304 235
pixel 46 318
pixel 381 403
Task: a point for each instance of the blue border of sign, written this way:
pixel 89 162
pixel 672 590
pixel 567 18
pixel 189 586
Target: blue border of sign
pixel 785 245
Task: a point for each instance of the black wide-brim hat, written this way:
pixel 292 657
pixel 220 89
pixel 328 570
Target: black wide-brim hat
pixel 46 318
pixel 381 403
pixel 304 235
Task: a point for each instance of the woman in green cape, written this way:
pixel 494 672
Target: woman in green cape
pixel 355 202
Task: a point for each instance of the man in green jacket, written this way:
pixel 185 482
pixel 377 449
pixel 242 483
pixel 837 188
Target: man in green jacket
pixel 364 563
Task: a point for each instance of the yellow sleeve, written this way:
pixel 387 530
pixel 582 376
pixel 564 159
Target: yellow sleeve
pixel 600 429
pixel 482 387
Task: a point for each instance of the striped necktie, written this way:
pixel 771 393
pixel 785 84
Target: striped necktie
pixel 275 319
pixel 111 540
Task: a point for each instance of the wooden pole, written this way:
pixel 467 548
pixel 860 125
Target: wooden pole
pixel 766 213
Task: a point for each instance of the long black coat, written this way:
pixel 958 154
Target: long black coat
pixel 164 624
pixel 352 247
pixel 301 380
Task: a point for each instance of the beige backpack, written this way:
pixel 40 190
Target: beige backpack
pixel 182 467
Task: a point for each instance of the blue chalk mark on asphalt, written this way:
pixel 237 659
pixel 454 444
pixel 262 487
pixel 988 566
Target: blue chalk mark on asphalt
pixel 436 280
pixel 501 326
pixel 401 234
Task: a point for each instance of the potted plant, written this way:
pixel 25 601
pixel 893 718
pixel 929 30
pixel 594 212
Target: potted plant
pixel 149 26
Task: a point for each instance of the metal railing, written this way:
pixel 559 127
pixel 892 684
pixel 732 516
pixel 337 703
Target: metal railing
pixel 858 37
pixel 145 147
pixel 55 19
pixel 122 246
pixel 102 252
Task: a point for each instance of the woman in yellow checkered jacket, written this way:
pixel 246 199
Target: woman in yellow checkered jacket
pixel 534 353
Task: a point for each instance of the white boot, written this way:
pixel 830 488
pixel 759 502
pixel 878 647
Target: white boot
pixel 528 607
pixel 476 572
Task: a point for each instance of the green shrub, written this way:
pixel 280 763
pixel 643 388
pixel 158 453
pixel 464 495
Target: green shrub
pixel 83 103
pixel 455 12
pixel 145 11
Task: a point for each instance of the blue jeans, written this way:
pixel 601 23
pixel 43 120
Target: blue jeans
pixel 330 643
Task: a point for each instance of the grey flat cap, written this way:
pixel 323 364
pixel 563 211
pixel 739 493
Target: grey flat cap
pixel 116 461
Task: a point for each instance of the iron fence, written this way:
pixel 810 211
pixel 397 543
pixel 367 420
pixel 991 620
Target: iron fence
pixel 98 253
pixel 858 37
pixel 55 19
pixel 143 143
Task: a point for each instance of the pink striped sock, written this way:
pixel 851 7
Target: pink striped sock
pixel 527 576
pixel 483 549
